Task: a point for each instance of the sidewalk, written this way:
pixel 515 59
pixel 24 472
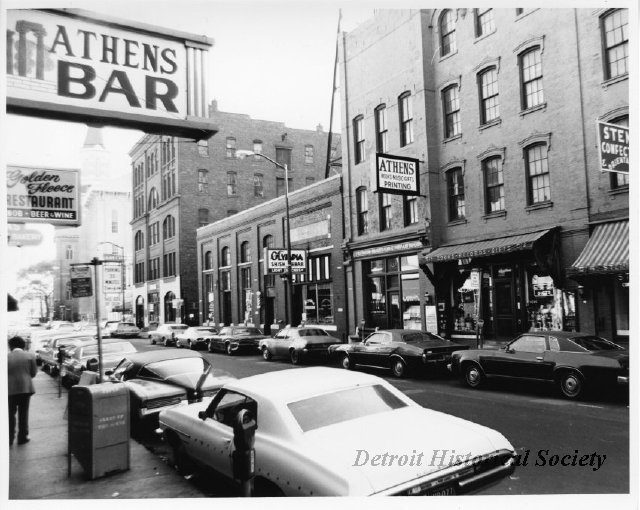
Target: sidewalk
pixel 38 469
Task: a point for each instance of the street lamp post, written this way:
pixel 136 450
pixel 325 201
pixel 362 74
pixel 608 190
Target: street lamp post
pixel 122 273
pixel 241 154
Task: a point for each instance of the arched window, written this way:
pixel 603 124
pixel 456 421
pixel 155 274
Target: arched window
pixel 488 92
pixel 168 227
pixel 208 260
pixel 245 252
pixel 531 77
pixel 225 257
pixel 69 252
pixel 153 199
pixel 268 241
pixel 138 241
pixel 493 185
pixel 447 33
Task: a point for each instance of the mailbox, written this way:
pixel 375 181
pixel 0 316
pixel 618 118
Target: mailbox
pixel 98 434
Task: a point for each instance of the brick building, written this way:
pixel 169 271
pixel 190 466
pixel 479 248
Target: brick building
pixel 500 107
pixel 180 185
pixel 231 267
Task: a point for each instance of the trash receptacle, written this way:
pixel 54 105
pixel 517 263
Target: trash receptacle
pixel 98 434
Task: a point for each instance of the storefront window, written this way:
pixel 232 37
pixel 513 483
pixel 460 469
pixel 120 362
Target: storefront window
pixel 465 307
pixel 411 313
pixel 319 304
pixel 377 302
pixel 545 302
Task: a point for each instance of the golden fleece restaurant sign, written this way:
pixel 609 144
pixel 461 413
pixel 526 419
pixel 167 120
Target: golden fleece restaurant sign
pixel 71 64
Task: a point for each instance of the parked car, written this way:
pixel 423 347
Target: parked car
pixel 91 327
pixel 85 357
pixel 40 338
pixel 48 354
pixel 196 337
pixel 166 333
pixel 233 339
pixel 109 327
pixel 146 330
pixel 572 361
pixel 403 351
pixel 126 330
pixel 321 432
pixel 162 379
pixel 297 344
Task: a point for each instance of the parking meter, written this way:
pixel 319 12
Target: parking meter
pixel 244 430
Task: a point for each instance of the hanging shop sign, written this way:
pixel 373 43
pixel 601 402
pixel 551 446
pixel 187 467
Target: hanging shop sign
pixel 71 64
pixel 277 260
pixel 397 174
pixel 81 281
pixel 43 195
pixel 19 235
pixel 613 144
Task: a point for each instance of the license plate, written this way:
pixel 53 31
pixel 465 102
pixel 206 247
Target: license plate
pixel 449 490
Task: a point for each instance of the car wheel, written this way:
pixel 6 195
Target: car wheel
pixel 346 362
pixel 266 354
pixel 294 356
pixel 473 375
pixel 571 384
pixel 210 346
pixel 191 345
pixel 227 349
pixel 398 368
pixel 153 341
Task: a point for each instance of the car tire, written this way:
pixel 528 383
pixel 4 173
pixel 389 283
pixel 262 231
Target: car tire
pixel 346 362
pixel 153 341
pixel 571 384
pixel 227 349
pixel 473 375
pixel 210 346
pixel 192 346
pixel 266 354
pixel 294 356
pixel 398 368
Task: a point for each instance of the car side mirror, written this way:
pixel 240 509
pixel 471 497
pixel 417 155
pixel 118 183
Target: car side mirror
pixel 202 415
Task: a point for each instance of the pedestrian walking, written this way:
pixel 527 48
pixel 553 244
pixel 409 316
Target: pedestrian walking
pixel 22 369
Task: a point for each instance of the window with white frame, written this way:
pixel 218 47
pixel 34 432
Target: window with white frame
pixel 615 33
pixel 406 119
pixel 447 33
pixel 531 78
pixel 358 139
pixel 382 132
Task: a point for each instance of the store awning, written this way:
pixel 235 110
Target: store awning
pixel 607 250
pixel 484 248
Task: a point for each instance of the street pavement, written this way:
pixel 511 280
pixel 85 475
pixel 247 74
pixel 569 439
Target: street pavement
pixel 38 469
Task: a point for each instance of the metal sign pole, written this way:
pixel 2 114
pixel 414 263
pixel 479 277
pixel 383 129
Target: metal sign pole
pixel 95 262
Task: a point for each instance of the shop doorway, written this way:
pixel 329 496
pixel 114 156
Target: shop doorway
pixel 226 308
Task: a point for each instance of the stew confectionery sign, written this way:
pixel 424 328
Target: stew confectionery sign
pixel 43 195
pixel 613 143
pixel 72 64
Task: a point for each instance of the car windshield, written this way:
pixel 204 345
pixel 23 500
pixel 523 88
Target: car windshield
pixel 312 332
pixel 595 343
pixel 339 406
pixel 246 331
pixel 115 348
pixel 168 368
pixel 420 336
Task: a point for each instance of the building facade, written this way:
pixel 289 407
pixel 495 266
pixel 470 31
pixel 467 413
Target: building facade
pixel 104 233
pixel 237 288
pixel 180 185
pixel 500 107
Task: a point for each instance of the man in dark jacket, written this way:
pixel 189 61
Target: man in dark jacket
pixel 21 371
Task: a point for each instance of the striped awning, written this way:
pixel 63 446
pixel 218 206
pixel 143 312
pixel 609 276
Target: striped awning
pixel 607 250
pixel 484 248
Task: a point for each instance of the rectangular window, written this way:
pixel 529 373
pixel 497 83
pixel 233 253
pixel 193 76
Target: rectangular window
pixel 451 106
pixel 154 268
pixel 616 42
pixel 358 139
pixel 257 148
pixel 406 120
pixel 245 285
pixel 308 154
pixel 386 211
pixel 139 272
pixel 280 188
pixel 538 173
pixel 362 211
pixel 154 233
pixel 489 105
pixel 484 22
pixel 455 192
pixel 169 264
pixel 382 133
pixel 203 181
pixel 410 210
pixel 231 147
pixel 258 187
pixel 203 148
pixel 203 217
pixel 283 157
pixel 232 184
pixel 531 78
pixel 494 185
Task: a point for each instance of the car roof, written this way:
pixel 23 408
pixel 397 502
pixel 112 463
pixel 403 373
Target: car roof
pixel 160 355
pixel 295 384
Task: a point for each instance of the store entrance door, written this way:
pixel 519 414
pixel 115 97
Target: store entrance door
pixel 394 314
pixel 504 292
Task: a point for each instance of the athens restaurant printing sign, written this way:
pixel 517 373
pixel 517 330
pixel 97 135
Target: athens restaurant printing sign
pixel 43 195
pixel 57 60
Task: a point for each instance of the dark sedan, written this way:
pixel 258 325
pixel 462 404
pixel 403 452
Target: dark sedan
pixel 162 379
pixel 572 361
pixel 233 339
pixel 401 350
pixel 84 356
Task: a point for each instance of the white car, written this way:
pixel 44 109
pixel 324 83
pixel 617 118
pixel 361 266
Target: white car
pixel 166 334
pixel 196 337
pixel 305 343
pixel 326 432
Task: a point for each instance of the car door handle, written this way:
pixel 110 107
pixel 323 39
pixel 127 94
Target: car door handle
pixel 539 358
